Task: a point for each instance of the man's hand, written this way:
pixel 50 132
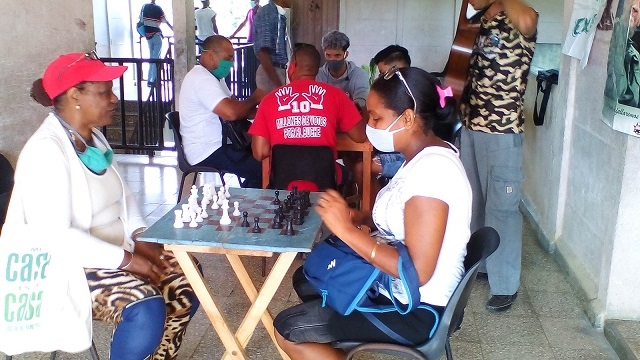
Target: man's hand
pixel 285 97
pixel 315 96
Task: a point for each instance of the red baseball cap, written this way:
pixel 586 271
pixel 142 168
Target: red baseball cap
pixel 69 70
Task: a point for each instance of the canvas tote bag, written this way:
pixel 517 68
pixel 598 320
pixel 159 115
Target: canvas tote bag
pixel 44 296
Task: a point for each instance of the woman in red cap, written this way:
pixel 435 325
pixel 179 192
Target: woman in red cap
pixel 135 285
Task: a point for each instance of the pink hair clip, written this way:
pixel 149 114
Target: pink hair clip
pixel 444 93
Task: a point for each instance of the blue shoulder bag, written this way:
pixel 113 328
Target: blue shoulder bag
pixel 347 282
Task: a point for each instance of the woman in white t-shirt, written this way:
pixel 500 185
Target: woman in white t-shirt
pixel 427 206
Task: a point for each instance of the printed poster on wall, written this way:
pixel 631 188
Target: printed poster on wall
pixel 582 29
pixel 622 91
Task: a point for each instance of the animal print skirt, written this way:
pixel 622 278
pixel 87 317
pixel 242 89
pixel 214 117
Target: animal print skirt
pixel 113 290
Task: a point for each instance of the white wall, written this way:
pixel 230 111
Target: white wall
pixel 64 26
pixel 582 186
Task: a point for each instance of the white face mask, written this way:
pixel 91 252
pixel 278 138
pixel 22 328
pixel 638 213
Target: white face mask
pixel 382 139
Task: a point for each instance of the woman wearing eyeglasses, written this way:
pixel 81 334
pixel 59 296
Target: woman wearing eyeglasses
pixel 427 206
pixel 66 179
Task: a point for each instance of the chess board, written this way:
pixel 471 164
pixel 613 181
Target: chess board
pixel 260 207
pixel 257 203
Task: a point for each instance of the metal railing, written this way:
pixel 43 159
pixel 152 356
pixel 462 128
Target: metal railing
pixel 138 126
pixel 242 80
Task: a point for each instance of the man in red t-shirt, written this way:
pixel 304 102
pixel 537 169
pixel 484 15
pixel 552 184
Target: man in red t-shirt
pixel 305 111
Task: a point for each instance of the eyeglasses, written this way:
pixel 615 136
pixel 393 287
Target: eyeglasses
pixel 91 55
pixel 395 70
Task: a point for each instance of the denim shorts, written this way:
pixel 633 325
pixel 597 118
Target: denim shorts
pixel 391 163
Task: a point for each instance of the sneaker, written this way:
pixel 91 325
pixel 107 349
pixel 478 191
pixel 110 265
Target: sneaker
pixel 501 302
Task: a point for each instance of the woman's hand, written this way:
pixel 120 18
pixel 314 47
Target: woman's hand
pixel 140 265
pixel 156 254
pixel 335 212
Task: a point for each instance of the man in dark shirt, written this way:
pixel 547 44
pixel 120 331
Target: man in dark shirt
pixel 153 16
pixel 270 44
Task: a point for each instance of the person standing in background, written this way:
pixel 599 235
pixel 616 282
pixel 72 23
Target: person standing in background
pixel 206 21
pixel 248 20
pixel 491 145
pixel 270 44
pixel 153 16
pixel 341 73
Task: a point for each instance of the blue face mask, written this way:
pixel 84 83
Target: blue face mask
pixel 223 70
pixel 92 157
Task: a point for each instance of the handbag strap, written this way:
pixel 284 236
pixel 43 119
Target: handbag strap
pixel 408 274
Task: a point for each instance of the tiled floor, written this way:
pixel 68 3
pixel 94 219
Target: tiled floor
pixel 545 322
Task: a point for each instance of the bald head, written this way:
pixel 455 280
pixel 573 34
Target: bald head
pixel 215 42
pixel 307 61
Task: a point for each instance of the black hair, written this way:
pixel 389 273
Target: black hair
pixel 395 96
pixel 306 56
pixel 38 94
pixel 393 53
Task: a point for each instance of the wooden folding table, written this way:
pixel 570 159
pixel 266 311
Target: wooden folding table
pixel 233 241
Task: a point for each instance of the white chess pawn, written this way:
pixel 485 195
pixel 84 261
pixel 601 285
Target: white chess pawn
pixel 236 211
pixel 178 222
pixel 225 219
pixel 193 222
pixel 220 197
pixel 199 215
pixel 226 191
pixel 204 214
pixel 203 205
pixel 214 203
pixel 186 213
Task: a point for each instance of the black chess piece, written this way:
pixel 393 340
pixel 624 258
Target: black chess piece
pixel 306 196
pixel 256 227
pixel 297 217
pixel 287 205
pixel 295 190
pixel 281 209
pixel 245 222
pixel 276 201
pixel 289 230
pixel 298 214
pixel 277 221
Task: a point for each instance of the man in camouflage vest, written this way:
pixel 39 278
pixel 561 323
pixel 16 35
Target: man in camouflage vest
pixel 491 145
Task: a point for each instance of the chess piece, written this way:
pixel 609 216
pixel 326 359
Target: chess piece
pixel 186 213
pixel 193 222
pixel 225 219
pixel 214 202
pixel 289 230
pixel 194 191
pixel 276 201
pixel 199 215
pixel 236 211
pixel 256 226
pixel 226 191
pixel 178 222
pixel 203 205
pixel 204 214
pixel 298 215
pixel 245 222
pixel 277 222
pixel 220 197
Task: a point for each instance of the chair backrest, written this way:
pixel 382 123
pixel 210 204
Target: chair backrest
pixel 6 185
pixel 298 162
pixel 482 243
pixel 173 118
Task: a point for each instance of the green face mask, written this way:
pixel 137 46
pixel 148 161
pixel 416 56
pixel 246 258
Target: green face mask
pixel 223 70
